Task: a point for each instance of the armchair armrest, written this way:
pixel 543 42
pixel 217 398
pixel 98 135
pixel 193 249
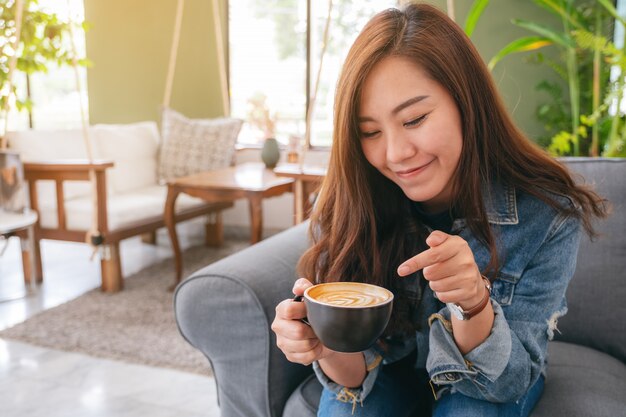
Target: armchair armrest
pixel 78 169
pixel 225 310
pixel 69 170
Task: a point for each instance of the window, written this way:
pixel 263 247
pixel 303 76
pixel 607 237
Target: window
pixel 267 41
pixel 56 100
pixel 269 70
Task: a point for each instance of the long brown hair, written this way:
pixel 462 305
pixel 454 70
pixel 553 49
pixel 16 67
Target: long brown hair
pixel 361 226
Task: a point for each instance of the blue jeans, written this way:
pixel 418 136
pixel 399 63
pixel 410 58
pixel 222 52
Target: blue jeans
pixel 392 396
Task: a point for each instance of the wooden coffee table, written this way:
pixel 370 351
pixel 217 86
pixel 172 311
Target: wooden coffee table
pixel 250 180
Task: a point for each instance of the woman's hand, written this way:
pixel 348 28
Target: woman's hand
pixel 450 269
pixel 293 337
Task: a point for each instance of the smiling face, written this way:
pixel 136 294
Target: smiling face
pixel 411 131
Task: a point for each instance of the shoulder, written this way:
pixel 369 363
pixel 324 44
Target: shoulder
pixel 509 205
pixel 546 212
pixel 523 222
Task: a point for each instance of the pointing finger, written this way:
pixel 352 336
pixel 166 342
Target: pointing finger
pixel 436 238
pixel 422 260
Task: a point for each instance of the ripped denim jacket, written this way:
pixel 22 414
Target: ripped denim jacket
pixel 537 248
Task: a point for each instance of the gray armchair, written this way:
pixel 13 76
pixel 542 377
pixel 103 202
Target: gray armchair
pixel 225 310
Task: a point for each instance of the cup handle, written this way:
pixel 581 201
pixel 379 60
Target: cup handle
pixel 298 299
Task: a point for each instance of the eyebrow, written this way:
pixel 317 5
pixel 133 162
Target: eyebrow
pixel 398 108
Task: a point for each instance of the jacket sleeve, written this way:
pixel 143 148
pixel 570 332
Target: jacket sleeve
pixel 511 359
pixel 373 360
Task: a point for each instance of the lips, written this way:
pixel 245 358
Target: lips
pixel 412 171
pixel 408 171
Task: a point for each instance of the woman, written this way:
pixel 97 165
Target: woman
pixel 433 193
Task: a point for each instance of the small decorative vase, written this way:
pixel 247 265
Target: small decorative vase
pixel 292 149
pixel 270 153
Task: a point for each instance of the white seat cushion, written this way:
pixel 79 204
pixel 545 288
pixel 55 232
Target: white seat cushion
pixel 134 149
pixel 47 145
pixel 44 145
pixel 124 209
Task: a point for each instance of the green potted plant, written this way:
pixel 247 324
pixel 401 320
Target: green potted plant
pixel 584 119
pixel 44 40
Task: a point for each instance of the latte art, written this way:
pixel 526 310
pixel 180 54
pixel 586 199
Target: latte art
pixel 349 298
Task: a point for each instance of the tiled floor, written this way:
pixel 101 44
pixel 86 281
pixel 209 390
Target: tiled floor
pixel 37 381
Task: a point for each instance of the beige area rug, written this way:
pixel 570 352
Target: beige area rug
pixel 136 325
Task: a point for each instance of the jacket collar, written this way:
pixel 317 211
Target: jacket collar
pixel 500 204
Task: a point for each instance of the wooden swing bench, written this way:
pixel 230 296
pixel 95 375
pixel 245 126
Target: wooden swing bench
pixel 129 198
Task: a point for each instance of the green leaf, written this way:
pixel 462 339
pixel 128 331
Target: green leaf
pixel 557 67
pixel 591 41
pixel 586 120
pixel 608 5
pixel 556 7
pixel 553 89
pixel 26 104
pixel 561 143
pixel 474 14
pixel 85 62
pixel 529 43
pixel 546 32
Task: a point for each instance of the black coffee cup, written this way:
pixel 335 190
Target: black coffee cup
pixel 348 316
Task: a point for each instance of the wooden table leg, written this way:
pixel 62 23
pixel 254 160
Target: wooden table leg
pixel 298 199
pixel 27 260
pixel 214 230
pixel 22 236
pixel 36 245
pixel 170 223
pixel 111 268
pixel 256 217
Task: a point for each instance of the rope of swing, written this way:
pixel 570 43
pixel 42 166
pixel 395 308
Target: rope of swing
pixel 94 235
pixel 171 68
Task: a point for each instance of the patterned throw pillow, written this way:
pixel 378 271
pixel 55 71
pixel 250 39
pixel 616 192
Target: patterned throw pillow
pixel 195 145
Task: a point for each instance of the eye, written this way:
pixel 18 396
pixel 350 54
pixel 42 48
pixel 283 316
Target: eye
pixel 416 122
pixel 366 135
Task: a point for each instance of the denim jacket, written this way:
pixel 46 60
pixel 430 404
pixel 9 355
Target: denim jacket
pixel 537 247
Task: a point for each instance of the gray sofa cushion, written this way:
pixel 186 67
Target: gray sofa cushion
pixel 581 382
pixel 305 399
pixel 597 294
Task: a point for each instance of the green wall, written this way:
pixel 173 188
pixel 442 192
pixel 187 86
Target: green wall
pixel 129 43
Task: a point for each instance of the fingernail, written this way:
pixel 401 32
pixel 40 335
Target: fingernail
pixel 403 270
